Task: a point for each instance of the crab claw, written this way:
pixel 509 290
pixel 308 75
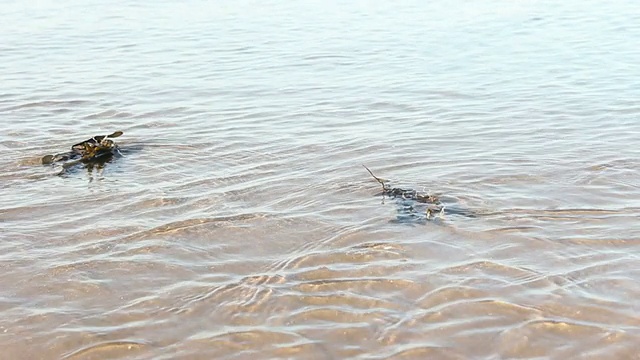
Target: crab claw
pixel 115 134
pixel 47 159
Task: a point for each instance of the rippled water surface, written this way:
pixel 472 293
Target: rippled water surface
pixel 239 222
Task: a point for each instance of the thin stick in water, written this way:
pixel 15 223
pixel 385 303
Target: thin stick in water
pixel 384 187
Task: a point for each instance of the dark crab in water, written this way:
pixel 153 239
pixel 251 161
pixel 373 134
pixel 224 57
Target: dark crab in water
pixel 410 201
pixel 94 150
pixel 434 206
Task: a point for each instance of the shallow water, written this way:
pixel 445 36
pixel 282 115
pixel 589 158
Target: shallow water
pixel 240 223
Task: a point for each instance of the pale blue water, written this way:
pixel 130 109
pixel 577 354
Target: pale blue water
pixel 240 223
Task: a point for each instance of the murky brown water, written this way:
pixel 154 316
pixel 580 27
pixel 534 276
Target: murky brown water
pixel 240 223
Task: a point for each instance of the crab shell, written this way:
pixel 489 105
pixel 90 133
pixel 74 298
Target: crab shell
pixel 93 148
